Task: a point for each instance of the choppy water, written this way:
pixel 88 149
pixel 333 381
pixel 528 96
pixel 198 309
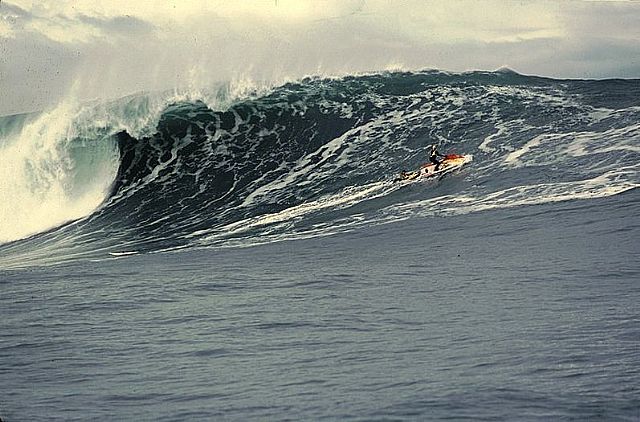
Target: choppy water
pixel 251 258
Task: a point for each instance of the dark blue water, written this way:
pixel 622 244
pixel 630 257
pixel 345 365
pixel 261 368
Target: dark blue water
pixel 257 261
pixel 526 314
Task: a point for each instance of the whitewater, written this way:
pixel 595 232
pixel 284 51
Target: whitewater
pixel 246 253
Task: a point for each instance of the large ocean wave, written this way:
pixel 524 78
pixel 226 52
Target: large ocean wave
pixel 314 157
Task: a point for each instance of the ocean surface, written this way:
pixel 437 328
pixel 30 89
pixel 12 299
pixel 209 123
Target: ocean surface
pixel 245 254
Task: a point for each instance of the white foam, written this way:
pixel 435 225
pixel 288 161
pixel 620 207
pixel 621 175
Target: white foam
pixel 39 176
pixel 513 157
pixel 124 253
pixel 343 199
pixel 604 185
pixel 504 129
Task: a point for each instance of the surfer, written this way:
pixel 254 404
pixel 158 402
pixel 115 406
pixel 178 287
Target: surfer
pixel 433 157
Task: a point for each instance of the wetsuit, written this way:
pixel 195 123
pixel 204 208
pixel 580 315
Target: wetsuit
pixel 433 157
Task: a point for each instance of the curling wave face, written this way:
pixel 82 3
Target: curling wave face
pixel 50 174
pixel 313 158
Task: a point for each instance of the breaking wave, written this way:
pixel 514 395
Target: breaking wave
pixel 315 157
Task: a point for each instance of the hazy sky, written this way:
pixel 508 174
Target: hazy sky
pixel 50 49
